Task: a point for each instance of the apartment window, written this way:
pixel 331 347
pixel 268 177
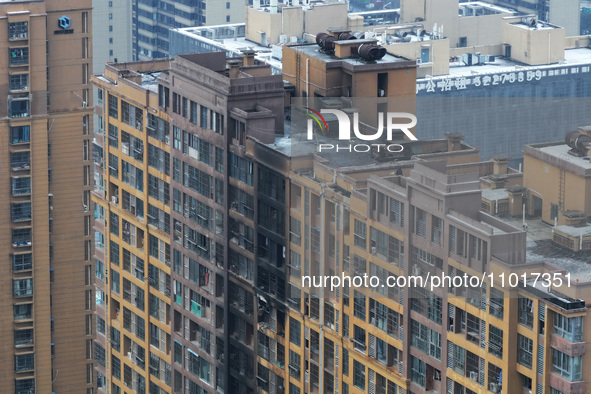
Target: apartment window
pixel 159 159
pixel 524 351
pixel 18 30
pixel 193 115
pixel 197 180
pixel 21 185
pixel 241 169
pixel 21 237
pixel 24 386
pixel 295 231
pixel 418 371
pixel 497 302
pixel 23 337
pixel 132 176
pixel 20 134
pixel 273 219
pixel 360 231
pixel 113 106
pixel 113 136
pixel 570 328
pixel 24 362
pixel 114 223
pixel 100 325
pixel 204 114
pixel 158 128
pixel 18 56
pixel 115 281
pixel 22 287
pixel 219 191
pixel 358 375
pixel 359 305
pixel 22 311
pixel 132 115
pixel 19 82
pixel 295 331
pixel 569 367
pixel 176 103
pixel 22 262
pixel 241 202
pixel 425 339
pixel 397 212
pixel 100 270
pixel 114 253
pixel 99 354
pixel 217 123
pixel 420 222
pixel 116 367
pixel 85 22
pixel 115 339
pixel 19 107
pixel 198 366
pixel 526 312
pixel 294 364
pixel 158 189
pixel 495 341
pixel 219 159
pixel 436 228
pixel 359 337
pixel 132 146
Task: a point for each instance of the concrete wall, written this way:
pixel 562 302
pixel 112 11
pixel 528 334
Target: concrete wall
pixel 216 12
pixel 258 21
pixel 444 13
pixel 566 14
pixel 535 47
pixel 294 21
pixel 544 179
pixel 483 29
pixel 439 54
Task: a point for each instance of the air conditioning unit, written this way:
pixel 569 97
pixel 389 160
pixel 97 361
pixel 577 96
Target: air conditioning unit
pixel 416 270
pixel 494 387
pixel 474 376
pixel 452 328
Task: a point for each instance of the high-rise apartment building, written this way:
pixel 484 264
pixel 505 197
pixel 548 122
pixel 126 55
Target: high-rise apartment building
pixel 46 240
pixel 174 201
pixel 419 340
pixel 194 166
pixel 132 227
pixel 112 27
pixel 152 19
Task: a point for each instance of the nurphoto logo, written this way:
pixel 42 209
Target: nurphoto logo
pixel 389 121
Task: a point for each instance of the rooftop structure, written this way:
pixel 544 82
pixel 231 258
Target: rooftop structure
pixel 567 14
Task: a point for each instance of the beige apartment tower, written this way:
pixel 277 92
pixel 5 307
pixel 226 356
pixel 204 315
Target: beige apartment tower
pixel 45 241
